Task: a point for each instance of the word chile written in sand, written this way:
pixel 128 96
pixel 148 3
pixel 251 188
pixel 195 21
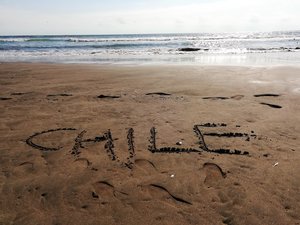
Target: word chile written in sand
pixel 110 148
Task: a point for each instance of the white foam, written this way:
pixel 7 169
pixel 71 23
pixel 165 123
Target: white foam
pixel 258 82
pixel 297 90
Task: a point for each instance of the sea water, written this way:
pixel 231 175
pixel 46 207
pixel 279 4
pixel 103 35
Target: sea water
pixel 258 48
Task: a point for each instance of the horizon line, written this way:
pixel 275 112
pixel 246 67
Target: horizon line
pixel 167 33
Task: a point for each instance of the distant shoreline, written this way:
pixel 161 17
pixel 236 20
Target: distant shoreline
pixel 128 34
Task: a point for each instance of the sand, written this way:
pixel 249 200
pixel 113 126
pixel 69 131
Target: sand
pixel 203 149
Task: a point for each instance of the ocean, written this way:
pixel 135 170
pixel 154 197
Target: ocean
pixel 260 48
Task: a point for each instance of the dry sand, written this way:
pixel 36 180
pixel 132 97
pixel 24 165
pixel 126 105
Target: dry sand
pixel 42 182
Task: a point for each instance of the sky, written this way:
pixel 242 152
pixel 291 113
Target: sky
pixel 59 17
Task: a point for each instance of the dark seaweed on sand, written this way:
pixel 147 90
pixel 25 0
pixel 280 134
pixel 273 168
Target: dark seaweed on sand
pixel 266 95
pixel 108 96
pixel 4 98
pixel 159 93
pixel 272 105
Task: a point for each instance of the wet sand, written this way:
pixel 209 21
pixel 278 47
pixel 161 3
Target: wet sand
pixel 90 144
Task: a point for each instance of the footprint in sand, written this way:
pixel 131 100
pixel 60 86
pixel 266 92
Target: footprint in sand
pixel 144 167
pixel 82 163
pixel 214 174
pixel 160 192
pixel 24 168
pixel 106 192
pixel 231 197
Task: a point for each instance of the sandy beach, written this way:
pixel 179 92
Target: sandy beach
pixel 96 144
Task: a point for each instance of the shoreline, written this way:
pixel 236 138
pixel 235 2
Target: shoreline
pixel 142 65
pixel 56 120
pixel 186 59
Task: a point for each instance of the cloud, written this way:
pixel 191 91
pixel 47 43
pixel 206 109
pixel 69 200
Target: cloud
pixel 215 16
